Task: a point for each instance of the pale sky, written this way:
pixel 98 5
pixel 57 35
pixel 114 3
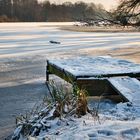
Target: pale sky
pixel 108 4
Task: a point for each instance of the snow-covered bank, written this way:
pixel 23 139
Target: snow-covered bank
pixel 115 122
pixel 99 29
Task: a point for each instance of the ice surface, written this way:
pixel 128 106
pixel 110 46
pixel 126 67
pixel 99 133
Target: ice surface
pixel 26 39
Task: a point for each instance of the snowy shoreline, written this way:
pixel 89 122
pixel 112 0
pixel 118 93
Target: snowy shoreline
pixel 111 29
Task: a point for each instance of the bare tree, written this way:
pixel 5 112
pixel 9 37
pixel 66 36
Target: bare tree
pixel 129 12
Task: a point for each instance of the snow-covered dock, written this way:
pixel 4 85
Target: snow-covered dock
pixel 93 73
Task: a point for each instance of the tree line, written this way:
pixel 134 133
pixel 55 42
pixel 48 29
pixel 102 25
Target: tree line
pixel 127 12
pixel 32 10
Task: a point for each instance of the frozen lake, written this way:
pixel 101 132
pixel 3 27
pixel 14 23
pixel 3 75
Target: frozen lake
pixel 33 39
pixel 24 48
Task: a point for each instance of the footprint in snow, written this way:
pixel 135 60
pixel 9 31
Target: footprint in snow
pixel 130 133
pixel 102 132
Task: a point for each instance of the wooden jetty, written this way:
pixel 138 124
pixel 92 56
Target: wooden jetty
pixel 99 75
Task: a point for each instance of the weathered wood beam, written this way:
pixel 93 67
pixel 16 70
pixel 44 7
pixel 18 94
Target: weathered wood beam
pixel 67 76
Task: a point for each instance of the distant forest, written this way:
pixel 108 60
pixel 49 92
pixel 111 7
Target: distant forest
pixel 33 11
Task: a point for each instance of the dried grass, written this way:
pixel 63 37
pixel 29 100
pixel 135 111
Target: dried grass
pixel 62 103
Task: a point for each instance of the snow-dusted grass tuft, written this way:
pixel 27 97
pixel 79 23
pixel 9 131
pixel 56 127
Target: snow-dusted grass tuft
pixel 56 110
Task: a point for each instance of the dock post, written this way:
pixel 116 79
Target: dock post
pixel 47 72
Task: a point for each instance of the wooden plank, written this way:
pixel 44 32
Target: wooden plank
pixel 95 86
pixel 53 69
pixel 131 74
pixel 128 88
